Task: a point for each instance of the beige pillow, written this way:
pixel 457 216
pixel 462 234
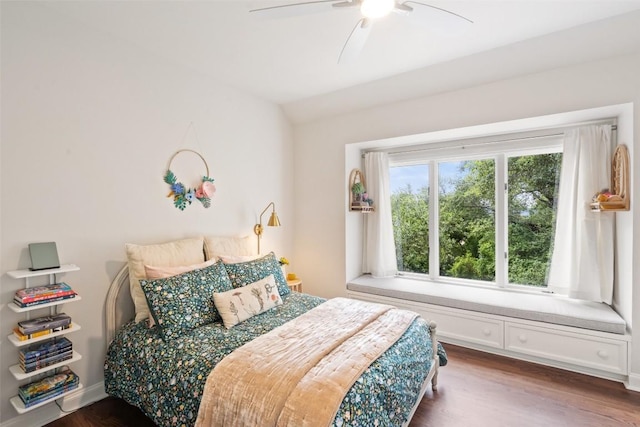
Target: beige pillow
pixel 170 254
pixel 153 272
pixel 234 259
pixel 216 245
pixel 238 305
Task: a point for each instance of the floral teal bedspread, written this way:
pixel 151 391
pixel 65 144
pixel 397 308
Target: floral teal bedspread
pixel 165 380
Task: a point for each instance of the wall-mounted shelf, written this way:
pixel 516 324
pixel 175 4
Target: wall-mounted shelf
pixel 358 199
pixel 15 341
pixel 16 370
pixel 26 273
pixel 20 375
pixel 17 309
pixel 18 405
pixel 619 199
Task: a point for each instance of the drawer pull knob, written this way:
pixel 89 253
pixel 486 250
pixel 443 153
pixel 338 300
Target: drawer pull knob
pixel 603 354
pixel 522 338
pixel 486 332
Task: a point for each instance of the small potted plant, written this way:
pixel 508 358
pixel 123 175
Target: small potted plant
pixel 358 190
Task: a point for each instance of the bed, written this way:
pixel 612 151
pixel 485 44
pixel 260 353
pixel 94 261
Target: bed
pixel 171 377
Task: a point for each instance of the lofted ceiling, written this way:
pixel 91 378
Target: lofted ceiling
pixel 294 59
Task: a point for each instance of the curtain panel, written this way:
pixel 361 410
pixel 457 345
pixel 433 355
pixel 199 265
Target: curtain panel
pixel 583 255
pixel 379 254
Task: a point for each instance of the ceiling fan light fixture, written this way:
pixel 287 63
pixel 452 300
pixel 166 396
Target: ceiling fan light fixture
pixel 374 9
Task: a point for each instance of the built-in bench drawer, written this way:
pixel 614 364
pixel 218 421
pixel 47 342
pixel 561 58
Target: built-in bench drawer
pixel 584 350
pixel 452 325
pixel 467 328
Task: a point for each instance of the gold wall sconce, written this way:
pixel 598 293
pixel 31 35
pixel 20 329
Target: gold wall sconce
pixel 274 221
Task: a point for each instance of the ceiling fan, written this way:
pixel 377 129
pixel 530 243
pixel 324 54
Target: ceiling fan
pixel 370 10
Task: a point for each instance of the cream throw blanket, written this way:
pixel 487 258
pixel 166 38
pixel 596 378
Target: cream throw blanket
pixel 298 374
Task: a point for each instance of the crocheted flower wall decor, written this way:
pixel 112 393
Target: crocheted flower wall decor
pixel 183 196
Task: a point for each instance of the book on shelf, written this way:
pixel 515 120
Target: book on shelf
pixel 43 296
pixel 48 387
pixel 43 323
pixel 44 349
pixel 37 291
pixel 23 304
pixel 23 337
pixel 51 395
pixel 25 362
pixel 43 363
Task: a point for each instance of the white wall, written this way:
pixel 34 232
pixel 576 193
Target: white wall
pixel 89 123
pixel 320 152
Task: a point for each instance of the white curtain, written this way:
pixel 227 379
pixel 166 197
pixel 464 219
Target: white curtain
pixel 582 260
pixel 379 254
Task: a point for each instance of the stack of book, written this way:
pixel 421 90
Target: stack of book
pixel 43 294
pixel 28 329
pixel 49 387
pixel 45 353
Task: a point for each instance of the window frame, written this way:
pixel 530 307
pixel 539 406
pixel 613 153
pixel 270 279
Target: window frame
pixel 499 148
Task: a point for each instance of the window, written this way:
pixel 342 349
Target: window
pixel 466 202
pixel 410 216
pixel 532 194
pixel 492 217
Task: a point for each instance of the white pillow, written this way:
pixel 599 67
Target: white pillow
pixel 153 272
pixel 240 304
pixel 170 254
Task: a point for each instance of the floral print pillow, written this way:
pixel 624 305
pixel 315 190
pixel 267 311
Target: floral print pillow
pixel 184 302
pixel 238 305
pixel 244 273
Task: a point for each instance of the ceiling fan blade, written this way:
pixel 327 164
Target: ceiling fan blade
pixel 440 20
pixel 294 9
pixel 347 3
pixel 356 41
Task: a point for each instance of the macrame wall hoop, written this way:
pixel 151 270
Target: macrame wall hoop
pixel 184 196
pixel 192 151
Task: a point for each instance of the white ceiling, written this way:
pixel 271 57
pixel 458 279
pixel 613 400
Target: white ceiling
pixel 290 60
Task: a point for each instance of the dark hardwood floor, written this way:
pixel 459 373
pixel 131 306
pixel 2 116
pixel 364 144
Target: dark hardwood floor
pixel 479 389
pixel 475 389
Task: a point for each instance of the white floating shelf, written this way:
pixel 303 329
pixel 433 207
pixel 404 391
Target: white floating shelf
pixel 18 404
pixel 22 274
pixel 17 309
pixel 15 341
pixel 19 374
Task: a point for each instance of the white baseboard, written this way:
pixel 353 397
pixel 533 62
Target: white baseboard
pixel 633 383
pixel 51 412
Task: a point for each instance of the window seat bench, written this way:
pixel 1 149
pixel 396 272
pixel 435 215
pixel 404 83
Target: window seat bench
pixel 541 308
pixel 576 335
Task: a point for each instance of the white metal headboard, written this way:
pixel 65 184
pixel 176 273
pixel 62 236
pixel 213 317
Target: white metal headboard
pixel 119 305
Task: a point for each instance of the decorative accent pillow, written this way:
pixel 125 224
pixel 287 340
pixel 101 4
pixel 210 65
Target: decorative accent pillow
pixel 171 254
pixel 153 272
pixel 238 305
pixel 216 245
pixel 184 302
pixel 244 273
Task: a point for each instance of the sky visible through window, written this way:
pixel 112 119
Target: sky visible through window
pixel 417 176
